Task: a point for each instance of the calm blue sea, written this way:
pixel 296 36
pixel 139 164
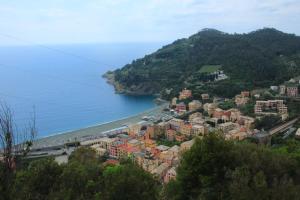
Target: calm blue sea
pixel 63 84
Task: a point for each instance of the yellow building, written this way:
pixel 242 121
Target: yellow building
pixel 194 105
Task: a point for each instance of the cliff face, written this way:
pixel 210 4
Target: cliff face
pixel 256 59
pixel 138 90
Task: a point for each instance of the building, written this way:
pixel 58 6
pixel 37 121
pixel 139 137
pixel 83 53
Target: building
pixel 218 113
pixel 199 130
pixel 186 129
pixel 290 88
pixel 242 99
pixel 209 108
pixel 170 175
pixel 160 171
pixel 236 134
pixel 197 121
pixel 104 142
pixel 227 126
pixel 274 88
pixel 180 107
pixel 195 115
pixel 282 89
pixel 194 105
pixel 186 145
pixel 99 150
pixel 205 96
pixel 247 122
pixel 292 91
pixel 134 143
pixel 185 94
pixel 270 107
pixel 175 124
pixel 170 134
pixel 162 148
pixel 297 134
pixel 174 101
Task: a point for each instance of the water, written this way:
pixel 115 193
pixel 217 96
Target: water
pixel 63 84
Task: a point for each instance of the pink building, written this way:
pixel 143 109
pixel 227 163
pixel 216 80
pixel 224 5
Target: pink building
pixel 292 91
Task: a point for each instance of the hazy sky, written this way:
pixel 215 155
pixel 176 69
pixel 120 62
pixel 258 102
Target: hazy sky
pixel 81 21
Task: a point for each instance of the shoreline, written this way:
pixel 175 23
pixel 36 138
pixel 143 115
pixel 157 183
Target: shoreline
pixel 96 130
pixel 120 89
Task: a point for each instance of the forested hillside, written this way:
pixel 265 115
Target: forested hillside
pixel 252 60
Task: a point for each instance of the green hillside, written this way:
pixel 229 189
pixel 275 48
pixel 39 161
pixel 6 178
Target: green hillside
pixel 257 59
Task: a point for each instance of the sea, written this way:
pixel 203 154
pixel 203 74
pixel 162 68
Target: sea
pixel 61 86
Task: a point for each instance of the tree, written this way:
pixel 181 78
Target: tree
pixel 37 181
pixel 219 169
pixel 128 181
pixel 12 144
pixel 267 122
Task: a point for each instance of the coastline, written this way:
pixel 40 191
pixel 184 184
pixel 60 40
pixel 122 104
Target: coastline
pixel 62 138
pixel 121 89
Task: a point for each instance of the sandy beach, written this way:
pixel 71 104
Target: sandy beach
pixel 94 131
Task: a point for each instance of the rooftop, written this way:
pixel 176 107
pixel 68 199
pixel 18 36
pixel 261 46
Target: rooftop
pixel 162 147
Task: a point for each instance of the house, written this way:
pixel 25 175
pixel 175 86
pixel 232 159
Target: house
pixel 242 99
pixel 292 91
pixel 186 145
pixel 180 137
pixel 197 121
pixel 175 124
pixel 185 94
pixel 170 175
pixel 270 106
pixel 174 150
pixel 160 171
pixel 274 88
pixel 246 121
pixel 162 148
pixel 170 134
pixel 194 105
pixel 198 130
pixel 205 96
pixel 297 134
pixel 99 150
pixel 218 113
pixel 195 115
pixel 245 94
pixel 290 88
pixel 180 107
pixel 227 126
pixel 234 114
pixel 236 134
pixel 174 101
pixel 282 89
pixel 186 129
pixel 209 108
pixel 133 143
pixel 104 142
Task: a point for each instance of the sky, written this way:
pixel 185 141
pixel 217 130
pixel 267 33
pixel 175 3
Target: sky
pixel 114 21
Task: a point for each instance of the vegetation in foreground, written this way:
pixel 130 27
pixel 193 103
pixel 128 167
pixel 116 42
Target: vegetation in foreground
pixel 212 169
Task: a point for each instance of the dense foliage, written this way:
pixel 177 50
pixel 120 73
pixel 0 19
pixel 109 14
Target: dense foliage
pixel 260 58
pixel 212 169
pixel 219 169
pixel 84 177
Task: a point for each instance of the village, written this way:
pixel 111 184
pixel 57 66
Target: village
pixel 157 146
